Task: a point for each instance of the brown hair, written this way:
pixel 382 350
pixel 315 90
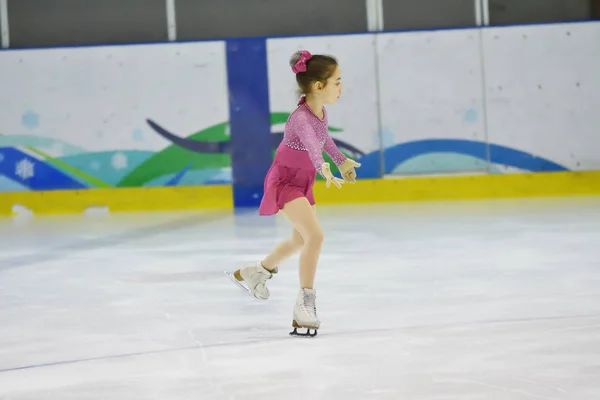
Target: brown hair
pixel 318 69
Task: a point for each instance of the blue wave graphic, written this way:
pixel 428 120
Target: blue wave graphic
pixel 32 173
pixel 502 155
pixel 370 166
pixel 427 156
pixel 179 176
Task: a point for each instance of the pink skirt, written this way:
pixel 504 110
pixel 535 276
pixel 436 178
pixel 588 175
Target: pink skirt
pixel 292 175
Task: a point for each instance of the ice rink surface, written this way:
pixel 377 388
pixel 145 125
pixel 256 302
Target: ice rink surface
pixel 468 300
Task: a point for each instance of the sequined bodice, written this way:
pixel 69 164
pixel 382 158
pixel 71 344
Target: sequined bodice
pixel 295 129
pixel 305 131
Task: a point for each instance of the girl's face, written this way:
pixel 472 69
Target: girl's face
pixel 331 92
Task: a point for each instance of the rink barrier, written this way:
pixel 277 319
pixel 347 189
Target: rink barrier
pixel 251 130
pixel 119 200
pixel 395 189
pixel 466 187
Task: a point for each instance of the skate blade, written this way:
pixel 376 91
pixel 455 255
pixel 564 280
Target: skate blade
pixel 240 284
pixel 311 331
pixel 233 278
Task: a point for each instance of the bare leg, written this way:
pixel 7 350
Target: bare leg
pixel 304 219
pixel 283 250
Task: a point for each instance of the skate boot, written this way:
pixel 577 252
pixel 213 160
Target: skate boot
pixel 255 277
pixel 305 313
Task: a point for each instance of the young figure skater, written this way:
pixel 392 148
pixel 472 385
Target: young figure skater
pixel 289 183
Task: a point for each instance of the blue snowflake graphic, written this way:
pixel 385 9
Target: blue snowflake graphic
pixel 30 120
pixel 470 115
pixel 137 135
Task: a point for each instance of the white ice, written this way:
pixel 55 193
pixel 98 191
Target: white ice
pixel 470 300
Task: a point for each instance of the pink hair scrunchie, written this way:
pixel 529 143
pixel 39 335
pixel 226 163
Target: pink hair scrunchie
pixel 300 65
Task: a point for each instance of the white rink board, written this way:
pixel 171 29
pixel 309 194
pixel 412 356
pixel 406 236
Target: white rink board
pixel 357 110
pixel 429 80
pixel 543 91
pixel 431 88
pixel 95 97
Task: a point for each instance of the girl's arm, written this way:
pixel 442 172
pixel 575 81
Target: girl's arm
pixel 309 139
pixel 332 150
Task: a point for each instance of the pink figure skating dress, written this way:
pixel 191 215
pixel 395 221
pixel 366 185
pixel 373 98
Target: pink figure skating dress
pixel 298 159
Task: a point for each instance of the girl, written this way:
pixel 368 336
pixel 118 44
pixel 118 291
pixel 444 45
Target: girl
pixel 289 183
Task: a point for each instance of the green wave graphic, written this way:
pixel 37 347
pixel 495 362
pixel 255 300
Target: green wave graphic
pixel 173 159
pixel 66 167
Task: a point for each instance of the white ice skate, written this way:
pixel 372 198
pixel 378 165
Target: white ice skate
pixel 305 313
pixel 253 280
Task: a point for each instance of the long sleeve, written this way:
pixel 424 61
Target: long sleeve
pixel 332 150
pixel 308 138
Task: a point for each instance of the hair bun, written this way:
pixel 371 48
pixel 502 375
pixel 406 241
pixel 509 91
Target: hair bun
pixel 295 57
pixel 299 60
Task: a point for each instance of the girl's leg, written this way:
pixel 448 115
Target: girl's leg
pixel 283 250
pixel 255 276
pixel 304 219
